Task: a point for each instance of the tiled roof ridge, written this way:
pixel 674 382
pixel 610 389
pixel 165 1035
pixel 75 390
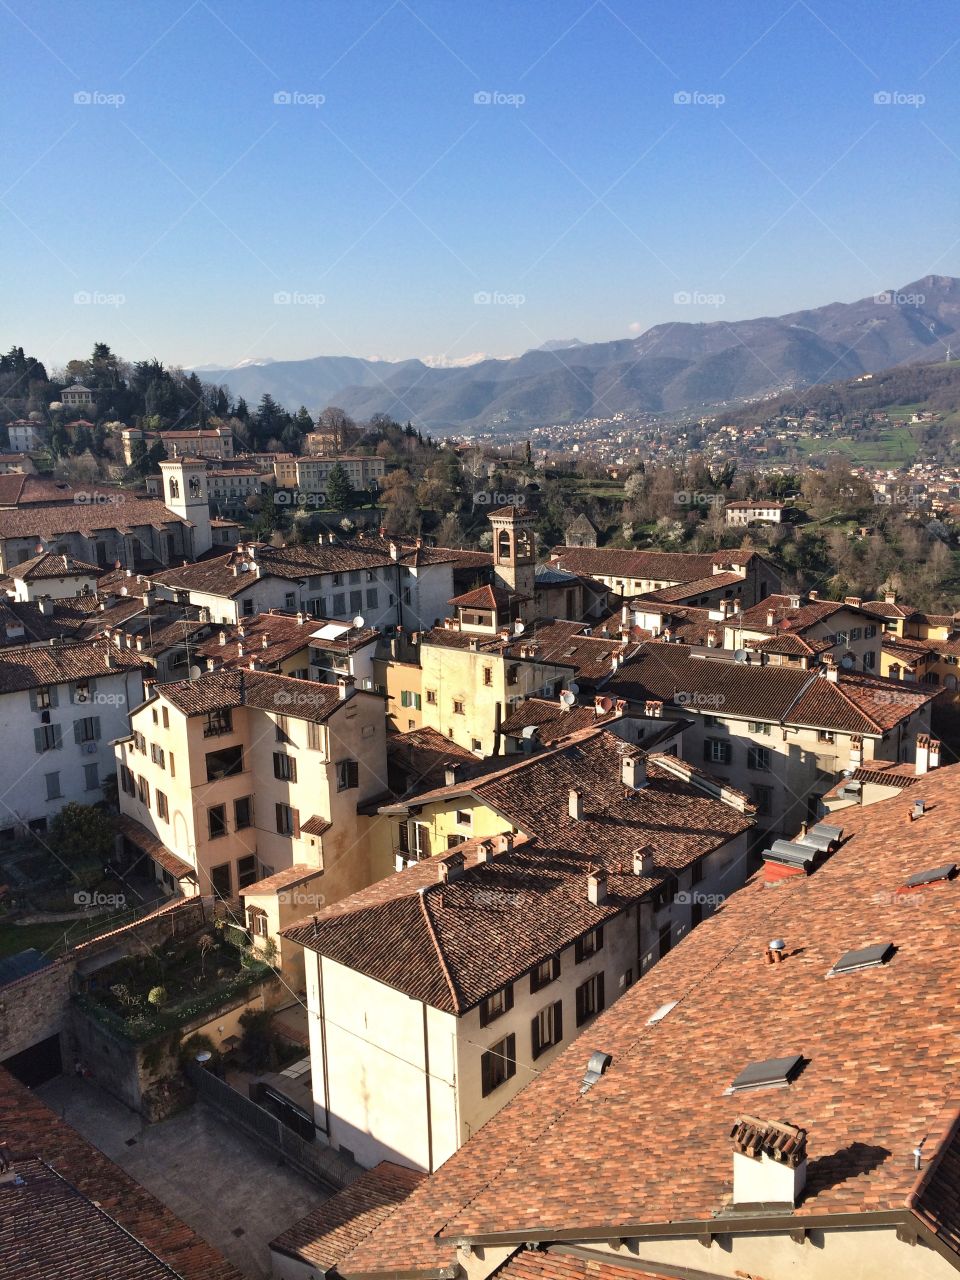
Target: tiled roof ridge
pixel 646 1029
pixel 458 1004
pixel 802 692
pixel 949 1134
pixel 851 701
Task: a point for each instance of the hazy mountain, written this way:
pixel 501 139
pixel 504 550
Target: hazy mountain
pixel 669 367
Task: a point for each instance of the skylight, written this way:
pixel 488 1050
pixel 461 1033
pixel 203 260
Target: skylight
pixel 865 958
pixel 661 1013
pixel 946 872
pixel 769 1074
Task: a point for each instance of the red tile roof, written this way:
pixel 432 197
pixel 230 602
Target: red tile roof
pixel 656 566
pixel 49 565
pixel 552 719
pixel 879 1052
pixel 30 668
pixel 330 1231
pixel 283 695
pixel 82 1240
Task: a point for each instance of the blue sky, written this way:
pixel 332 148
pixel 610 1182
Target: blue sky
pixel 183 205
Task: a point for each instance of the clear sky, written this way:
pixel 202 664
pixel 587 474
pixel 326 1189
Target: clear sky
pixel 176 198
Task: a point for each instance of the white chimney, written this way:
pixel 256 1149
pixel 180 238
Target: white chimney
pixel 506 842
pixel 643 861
pixel 451 867
pixel 575 804
pixel 344 687
pixel 770 617
pixel 934 753
pixel 223 637
pixel 769 1162
pixel 484 851
pixel 856 752
pixel 633 771
pixel 597 888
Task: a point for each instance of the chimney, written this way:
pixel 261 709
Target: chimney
pixel 934 753
pixel 450 867
pixel 643 861
pixel 633 771
pixel 394 551
pixel 344 687
pixel 856 751
pixel 813 595
pixel 575 804
pixel 240 649
pixel 264 642
pixel 769 1162
pixel 828 667
pixel 889 597
pixel 652 710
pixel 107 658
pixel 923 754
pixel 506 842
pixel 854 601
pixel 484 851
pixel 223 637
pixel 46 606
pixel 771 617
pixel 712 638
pixel 451 774
pixel 475 645
pixel 597 888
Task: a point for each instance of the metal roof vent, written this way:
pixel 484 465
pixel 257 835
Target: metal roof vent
pixel 792 853
pixel 824 837
pixel 865 958
pixel 772 1073
pixel 946 872
pixel 599 1061
pixel 659 1014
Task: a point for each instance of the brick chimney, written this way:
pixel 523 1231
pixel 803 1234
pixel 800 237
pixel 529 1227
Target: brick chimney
pixel 643 861
pixel 575 804
pixel 450 867
pixel 769 1162
pixel 597 888
pixel 928 754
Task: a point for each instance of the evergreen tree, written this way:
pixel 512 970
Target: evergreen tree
pixel 339 489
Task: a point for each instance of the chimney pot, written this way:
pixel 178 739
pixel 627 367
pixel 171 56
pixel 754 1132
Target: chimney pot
pixel 643 861
pixel 597 888
pixel 451 867
pixel 633 771
pixel 575 804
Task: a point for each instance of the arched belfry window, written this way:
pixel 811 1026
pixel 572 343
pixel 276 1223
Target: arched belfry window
pixel 503 545
pixel 174 489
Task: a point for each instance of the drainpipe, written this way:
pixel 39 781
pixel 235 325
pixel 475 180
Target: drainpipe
pixel 426 1080
pixel 325 1127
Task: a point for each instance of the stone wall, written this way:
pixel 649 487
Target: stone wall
pixel 34 1007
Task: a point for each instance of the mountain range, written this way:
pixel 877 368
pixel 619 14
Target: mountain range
pixel 670 368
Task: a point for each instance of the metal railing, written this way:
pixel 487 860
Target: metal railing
pixel 321 1163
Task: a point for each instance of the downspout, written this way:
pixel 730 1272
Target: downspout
pixel 325 1127
pixel 426 1080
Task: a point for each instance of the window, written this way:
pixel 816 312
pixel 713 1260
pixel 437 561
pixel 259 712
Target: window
pixel 246 871
pixel 156 754
pixel 589 999
pixel 162 810
pixel 248 608
pixel 372 601
pixel 283 734
pixel 458 708
pixel 127 781
pixel 464 818
pixel 421 839
pixel 53 785
pixel 243 812
pixel 403 838
pixel 289 600
pixel 825 735
pixel 431 697
pixel 759 726
pixel 546 1029
pixel 288 821
pixel 339 604
pixel 717 750
pixel 314 736
pixel 869 631
pixel 348 775
pixel 709 721
pixel 870 660
pixel 217 821
pixel 173 770
pixel 854 634
pixel 547 971
pixel 410 699
pixel 220 880
pixel 488 676
pixel 759 758
pixel 841 637
pixel 453 841
pixel 47 738
pixel 513 674
pixel 43 698
pixel 498 1064
pixel 588 945
pixel 356 601
pixel 91 777
pixel 495 1006
pixel 143 790
pixel 284 767
pixel 139 742
pixel 475 744
pixel 220 720
pixel 763 799
pixel 224 763
pixel 165 717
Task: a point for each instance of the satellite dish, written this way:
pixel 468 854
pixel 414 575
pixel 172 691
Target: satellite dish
pixel 573 687
pixel 848 661
pixel 244 566
pixel 741 655
pixel 358 621
pixel 568 698
pixel 606 704
pixel 529 732
pixel 518 628
pixel 195 672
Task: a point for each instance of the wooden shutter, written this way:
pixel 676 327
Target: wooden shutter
pixel 601 1005
pixel 511 1055
pixel 535 1044
pixel 558 1022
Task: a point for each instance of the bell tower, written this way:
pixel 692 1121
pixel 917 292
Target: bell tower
pixel 185 494
pixel 515 552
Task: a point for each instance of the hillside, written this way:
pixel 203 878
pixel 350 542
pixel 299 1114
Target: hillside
pixel 669 368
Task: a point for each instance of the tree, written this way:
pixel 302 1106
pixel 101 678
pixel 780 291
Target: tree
pixel 336 423
pixel 82 836
pixel 339 488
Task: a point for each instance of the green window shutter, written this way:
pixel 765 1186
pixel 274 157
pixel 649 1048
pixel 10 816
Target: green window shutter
pixel 54 700
pixel 38 740
pixel 77 731
pixel 96 728
pixel 33 699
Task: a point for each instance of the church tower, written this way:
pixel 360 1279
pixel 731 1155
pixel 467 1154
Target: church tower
pixel 515 553
pixel 185 494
